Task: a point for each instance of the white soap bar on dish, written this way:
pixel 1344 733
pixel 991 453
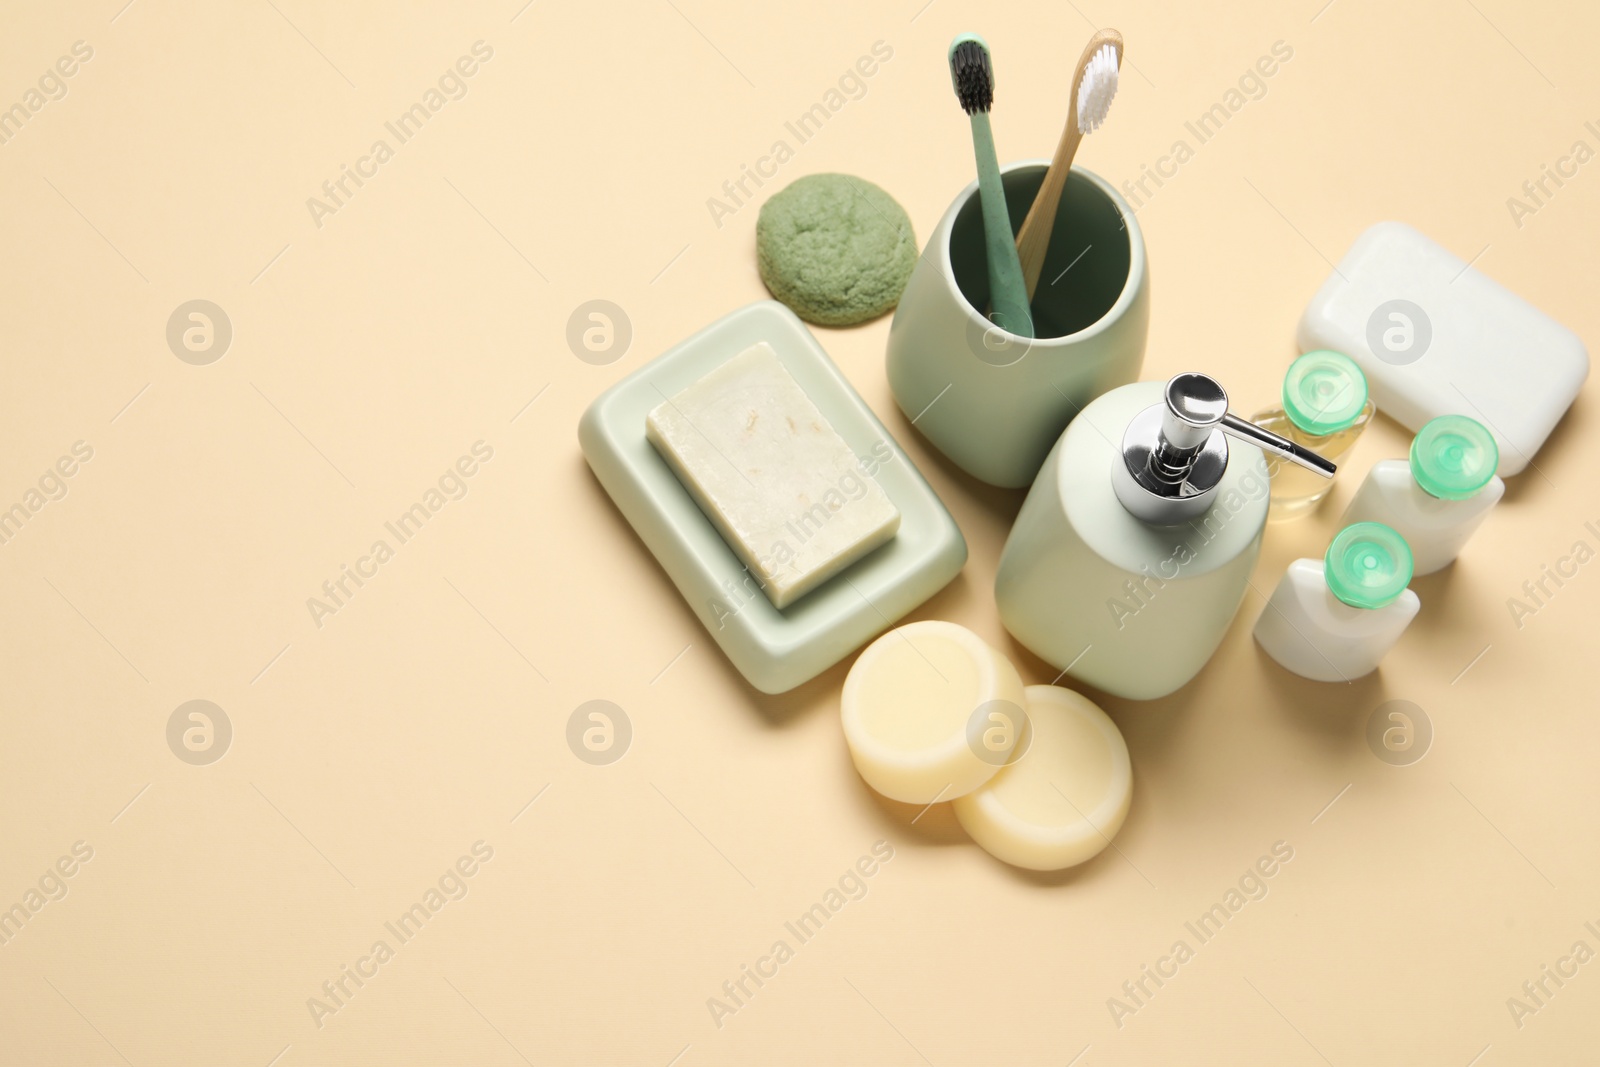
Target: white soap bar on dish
pixel 780 484
pixel 1437 337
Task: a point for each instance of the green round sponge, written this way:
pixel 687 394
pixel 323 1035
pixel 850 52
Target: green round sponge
pixel 836 249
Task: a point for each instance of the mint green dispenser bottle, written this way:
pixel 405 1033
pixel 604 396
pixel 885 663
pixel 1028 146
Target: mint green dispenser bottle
pixel 1135 545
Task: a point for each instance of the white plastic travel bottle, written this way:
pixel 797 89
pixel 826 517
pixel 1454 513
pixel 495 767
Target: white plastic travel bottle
pixel 1332 620
pixel 1132 553
pixel 1440 496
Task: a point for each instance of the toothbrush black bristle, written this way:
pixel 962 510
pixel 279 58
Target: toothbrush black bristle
pixel 974 78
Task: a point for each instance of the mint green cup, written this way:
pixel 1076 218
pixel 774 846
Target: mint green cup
pixel 995 403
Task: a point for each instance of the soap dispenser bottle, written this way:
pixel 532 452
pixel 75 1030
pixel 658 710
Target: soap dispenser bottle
pixel 1135 545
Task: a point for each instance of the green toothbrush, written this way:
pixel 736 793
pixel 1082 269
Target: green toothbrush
pixel 973 77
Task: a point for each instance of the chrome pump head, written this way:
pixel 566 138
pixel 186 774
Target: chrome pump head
pixel 1175 452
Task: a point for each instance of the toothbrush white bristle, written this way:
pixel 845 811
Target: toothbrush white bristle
pixel 1095 91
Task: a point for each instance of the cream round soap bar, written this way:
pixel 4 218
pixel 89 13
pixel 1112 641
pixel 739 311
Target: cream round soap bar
pixel 920 709
pixel 1065 797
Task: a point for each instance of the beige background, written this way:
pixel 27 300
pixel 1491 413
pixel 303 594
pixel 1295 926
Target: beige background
pixel 368 354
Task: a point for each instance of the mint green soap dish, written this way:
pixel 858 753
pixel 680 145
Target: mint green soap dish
pixel 775 650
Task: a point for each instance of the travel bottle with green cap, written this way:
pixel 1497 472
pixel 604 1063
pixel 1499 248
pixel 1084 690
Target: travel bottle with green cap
pixel 1325 407
pixel 1332 620
pixel 1440 496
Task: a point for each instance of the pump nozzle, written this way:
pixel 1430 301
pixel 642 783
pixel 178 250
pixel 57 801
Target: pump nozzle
pixel 1174 453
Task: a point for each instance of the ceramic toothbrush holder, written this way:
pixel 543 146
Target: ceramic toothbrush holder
pixel 993 402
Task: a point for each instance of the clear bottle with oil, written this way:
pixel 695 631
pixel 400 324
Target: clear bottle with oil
pixel 1325 407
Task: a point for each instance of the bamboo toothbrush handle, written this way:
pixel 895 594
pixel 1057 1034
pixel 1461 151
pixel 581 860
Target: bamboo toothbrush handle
pixel 1033 240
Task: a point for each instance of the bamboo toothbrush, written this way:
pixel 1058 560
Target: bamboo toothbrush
pixel 973 77
pixel 1094 83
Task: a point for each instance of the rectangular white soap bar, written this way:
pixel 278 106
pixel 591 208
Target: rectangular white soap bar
pixel 781 486
pixel 1437 337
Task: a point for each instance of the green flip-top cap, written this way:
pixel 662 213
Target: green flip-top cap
pixel 1452 457
pixel 1324 392
pixel 1368 565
